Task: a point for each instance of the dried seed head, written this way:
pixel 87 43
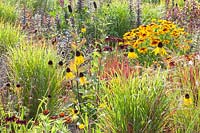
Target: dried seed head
pixel 70 8
pixel 60 63
pixel 50 62
pixel 95 5
pixel 187 96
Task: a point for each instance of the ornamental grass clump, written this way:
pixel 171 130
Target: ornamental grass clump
pixel 135 105
pixel 157 40
pixel 9 36
pixel 8 12
pixel 118 18
pixel 37 71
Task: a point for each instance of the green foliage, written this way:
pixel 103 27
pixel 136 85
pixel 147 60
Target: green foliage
pixel 49 125
pixel 117 15
pixel 43 123
pixel 9 36
pixel 137 105
pixel 150 11
pixel 29 67
pixel 152 1
pixel 8 12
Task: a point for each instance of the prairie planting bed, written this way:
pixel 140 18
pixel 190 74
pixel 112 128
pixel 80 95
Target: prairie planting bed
pixel 113 66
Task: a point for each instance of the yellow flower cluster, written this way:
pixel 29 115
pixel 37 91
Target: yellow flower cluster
pixel 71 71
pixel 161 37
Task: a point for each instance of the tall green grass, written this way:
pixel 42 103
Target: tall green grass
pixel 9 36
pixel 150 11
pixel 29 67
pixel 117 16
pixel 8 12
pixel 138 104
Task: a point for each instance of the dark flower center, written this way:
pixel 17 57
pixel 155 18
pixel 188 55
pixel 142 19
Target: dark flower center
pixel 187 96
pixel 81 75
pixel 50 62
pixel 49 96
pixel 75 111
pixel 8 84
pixel 160 45
pixel 18 85
pixel 131 50
pixel 78 53
pixel 60 63
pixel 68 70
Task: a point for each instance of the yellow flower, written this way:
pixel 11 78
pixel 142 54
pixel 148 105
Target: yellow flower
pixel 185 47
pixel 74 114
pixel 154 42
pixel 69 75
pixel 73 67
pixel 81 126
pixel 79 59
pixel 187 100
pixel 102 105
pixel 132 55
pixel 142 50
pixel 82 79
pixel 160 50
pixel 166 41
pixel 121 43
pixel 83 29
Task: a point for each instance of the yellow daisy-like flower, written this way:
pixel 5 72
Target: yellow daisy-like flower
pixel 69 75
pixel 83 29
pixel 160 50
pixel 79 59
pixel 81 126
pixel 132 54
pixel 82 79
pixel 166 41
pixel 74 114
pixel 187 100
pixel 142 50
pixel 154 42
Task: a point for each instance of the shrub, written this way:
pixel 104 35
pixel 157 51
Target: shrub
pixel 36 74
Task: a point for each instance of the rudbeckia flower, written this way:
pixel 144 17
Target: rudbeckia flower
pixel 79 59
pixel 187 100
pixel 74 113
pixel 81 126
pixel 69 75
pixel 83 29
pixel 82 79
pixel 142 50
pixel 132 54
pixel 160 50
pixel 154 42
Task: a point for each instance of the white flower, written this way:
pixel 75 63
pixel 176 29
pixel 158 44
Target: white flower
pixel 190 63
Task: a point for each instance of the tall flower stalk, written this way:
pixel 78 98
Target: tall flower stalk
pixel 131 11
pixel 138 12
